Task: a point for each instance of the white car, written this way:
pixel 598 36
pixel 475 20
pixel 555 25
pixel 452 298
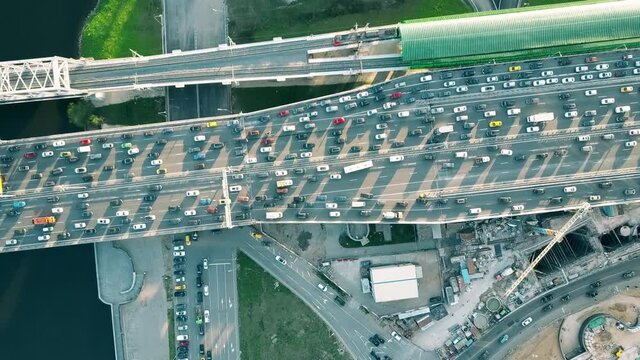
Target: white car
pixel 334 213
pixel 335 177
pixel 396 336
pixel 527 321
pixel 631 143
pixel 281 260
pixel 313 114
pixel 605 75
pixel 178 248
pixel 607 101
pixel 44 237
pixel 602 67
pixel 59 143
pixel 11 242
pixel 133 151
pixel 462 118
pixel 487 88
pixel 304 119
pixel 509 84
pixel 322 287
pixel 490 113
pixel 591 92
pixel 107 145
pixel 491 79
pixel 289 128
pixel 310 126
pixel 622 109
pixel 199 138
pixel 250 160
pixel 266 149
pixel 362 94
pixel 183 327
pixel 552 81
pixel 594 197
pixel 179 253
pixel 372 112
pixel 462 89
pixel 47 154
pixel 517 208
pixel 570 114
pixel 570 189
pixel 189 213
pixel 331 205
pixel 81 170
pixel 514 111
pixel 381 126
pixel 80 225
pixel 322 168
pixel 193 193
pixel 57 210
pixel 531 129
pixel 636 71
pixel 459 109
pixel 281 172
pixel 235 188
pixel 156 162
pixel 426 78
pixel 539 82
pixel 206 290
pixel 400 84
pixel 207 319
pixel 568 80
pixel 205 265
pixel 586 77
pixel 47 229
pixel 506 152
pixel 149 217
pixel 582 68
pixel 344 99
pixel 104 221
pixel 403 114
pixel 547 73
pixel 381 136
pixel 389 105
pixel 139 226
pixel 83 195
pixel 306 154
pixel 122 213
pixel 449 83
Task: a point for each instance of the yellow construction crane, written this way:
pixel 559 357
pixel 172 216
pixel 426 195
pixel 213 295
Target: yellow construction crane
pixel 557 237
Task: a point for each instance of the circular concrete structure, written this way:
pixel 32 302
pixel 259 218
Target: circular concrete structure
pixel 481 322
pixel 494 304
pixel 625 231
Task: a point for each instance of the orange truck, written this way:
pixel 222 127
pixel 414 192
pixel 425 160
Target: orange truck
pixel 43 220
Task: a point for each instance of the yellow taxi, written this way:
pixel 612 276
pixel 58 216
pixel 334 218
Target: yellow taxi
pixel 515 68
pixel 187 240
pixel 181 287
pixel 626 89
pixel 161 171
pixel 65 154
pixel 494 124
pixel 212 124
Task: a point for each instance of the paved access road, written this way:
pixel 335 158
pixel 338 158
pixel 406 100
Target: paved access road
pixel 237 163
pixel 577 290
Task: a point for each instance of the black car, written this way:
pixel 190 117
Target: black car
pixel 145 208
pixel 565 96
pixel 546 298
pixel 487 70
pixel 595 285
pixel 113 230
pixel 53 199
pixel 116 202
pixel 199 296
pixel 148 133
pixel 216 146
pixel 127 161
pixel 64 236
pixel 199 281
pixel 299 199
pixel 40 146
pixel 356 148
pixel 149 197
pixel 364 103
pixel 89 231
pixel 398 143
pixel 334 149
pixel 127 136
pixel 564 61
pixel 302 215
pixel 542 156
pixel 182 318
pixel 108 168
pixel 271 158
pixel 209 355
pixel 385 117
pixel 302 136
pixel 565 298
pixel 538 191
pixel 153 155
pixel 195 128
pixel 199 269
pixel 201 329
pixel 525 75
pixel 87 214
pixel 161 142
pixel 336 133
pixel 446 75
pixel 472 81
pixel 375 147
pixel 308 145
pixel 72 159
pixel 36 176
pixel 87 178
pixel 157 187
pixel 50 183
pixel 83 206
pixel 444 93
pixel 57 171
pixel 6 159
pixel 535 65
pixel 340 301
pixel 508 103
pixel 620 73
pixel 547 307
pixel 380 97
pixel 179 259
pixel 521 157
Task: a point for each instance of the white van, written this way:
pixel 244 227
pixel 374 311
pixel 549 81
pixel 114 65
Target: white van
pixel 182 337
pixel 584 138
pixel 461 154
pixel 396 158
pixel 273 215
pixel 332 108
pixel 358 204
pixel 475 211
pixel 84 149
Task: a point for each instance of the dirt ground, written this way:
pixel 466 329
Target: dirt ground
pixel 306 240
pixel 543 346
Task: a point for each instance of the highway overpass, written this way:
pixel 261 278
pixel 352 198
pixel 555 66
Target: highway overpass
pixel 542 171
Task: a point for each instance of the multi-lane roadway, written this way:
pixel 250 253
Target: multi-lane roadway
pixel 438 178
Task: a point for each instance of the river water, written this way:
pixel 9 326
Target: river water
pixel 49 307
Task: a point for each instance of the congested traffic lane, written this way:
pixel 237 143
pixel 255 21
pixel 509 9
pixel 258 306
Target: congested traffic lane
pixel 391 182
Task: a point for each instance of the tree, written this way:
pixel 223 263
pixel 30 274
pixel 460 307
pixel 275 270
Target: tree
pixel 80 113
pixel 95 121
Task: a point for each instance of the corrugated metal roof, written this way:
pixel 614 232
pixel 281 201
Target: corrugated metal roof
pixel 499 32
pixel 382 274
pixel 395 290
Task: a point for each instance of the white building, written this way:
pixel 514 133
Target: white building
pixel 395 282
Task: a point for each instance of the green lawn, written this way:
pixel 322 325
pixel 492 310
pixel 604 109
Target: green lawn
pixel 134 112
pixel 172 333
pixel 256 20
pixel 275 324
pixel 120 25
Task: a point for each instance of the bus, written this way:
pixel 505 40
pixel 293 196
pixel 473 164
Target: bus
pixel 43 220
pixel 359 166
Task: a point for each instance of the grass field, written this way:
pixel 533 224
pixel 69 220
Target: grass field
pixel 119 25
pixel 138 111
pixel 256 20
pixel 276 324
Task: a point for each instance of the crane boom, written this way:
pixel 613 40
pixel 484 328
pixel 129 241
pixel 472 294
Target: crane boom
pixel 557 237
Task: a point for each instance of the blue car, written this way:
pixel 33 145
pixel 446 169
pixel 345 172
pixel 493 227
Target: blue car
pixel 19 204
pixel 199 156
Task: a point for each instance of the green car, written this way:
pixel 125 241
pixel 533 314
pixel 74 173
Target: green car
pixel 126 145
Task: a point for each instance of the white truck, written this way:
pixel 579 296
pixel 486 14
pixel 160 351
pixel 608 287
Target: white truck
pixel 541 117
pixel 444 129
pixel 392 214
pixel 273 215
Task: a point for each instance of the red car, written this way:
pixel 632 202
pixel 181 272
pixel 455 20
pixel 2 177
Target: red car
pixel 253 133
pixel 30 155
pixel 283 113
pixel 338 121
pixel 184 343
pixel 267 141
pixel 282 190
pixel 397 95
pixel 85 142
pixel 591 59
